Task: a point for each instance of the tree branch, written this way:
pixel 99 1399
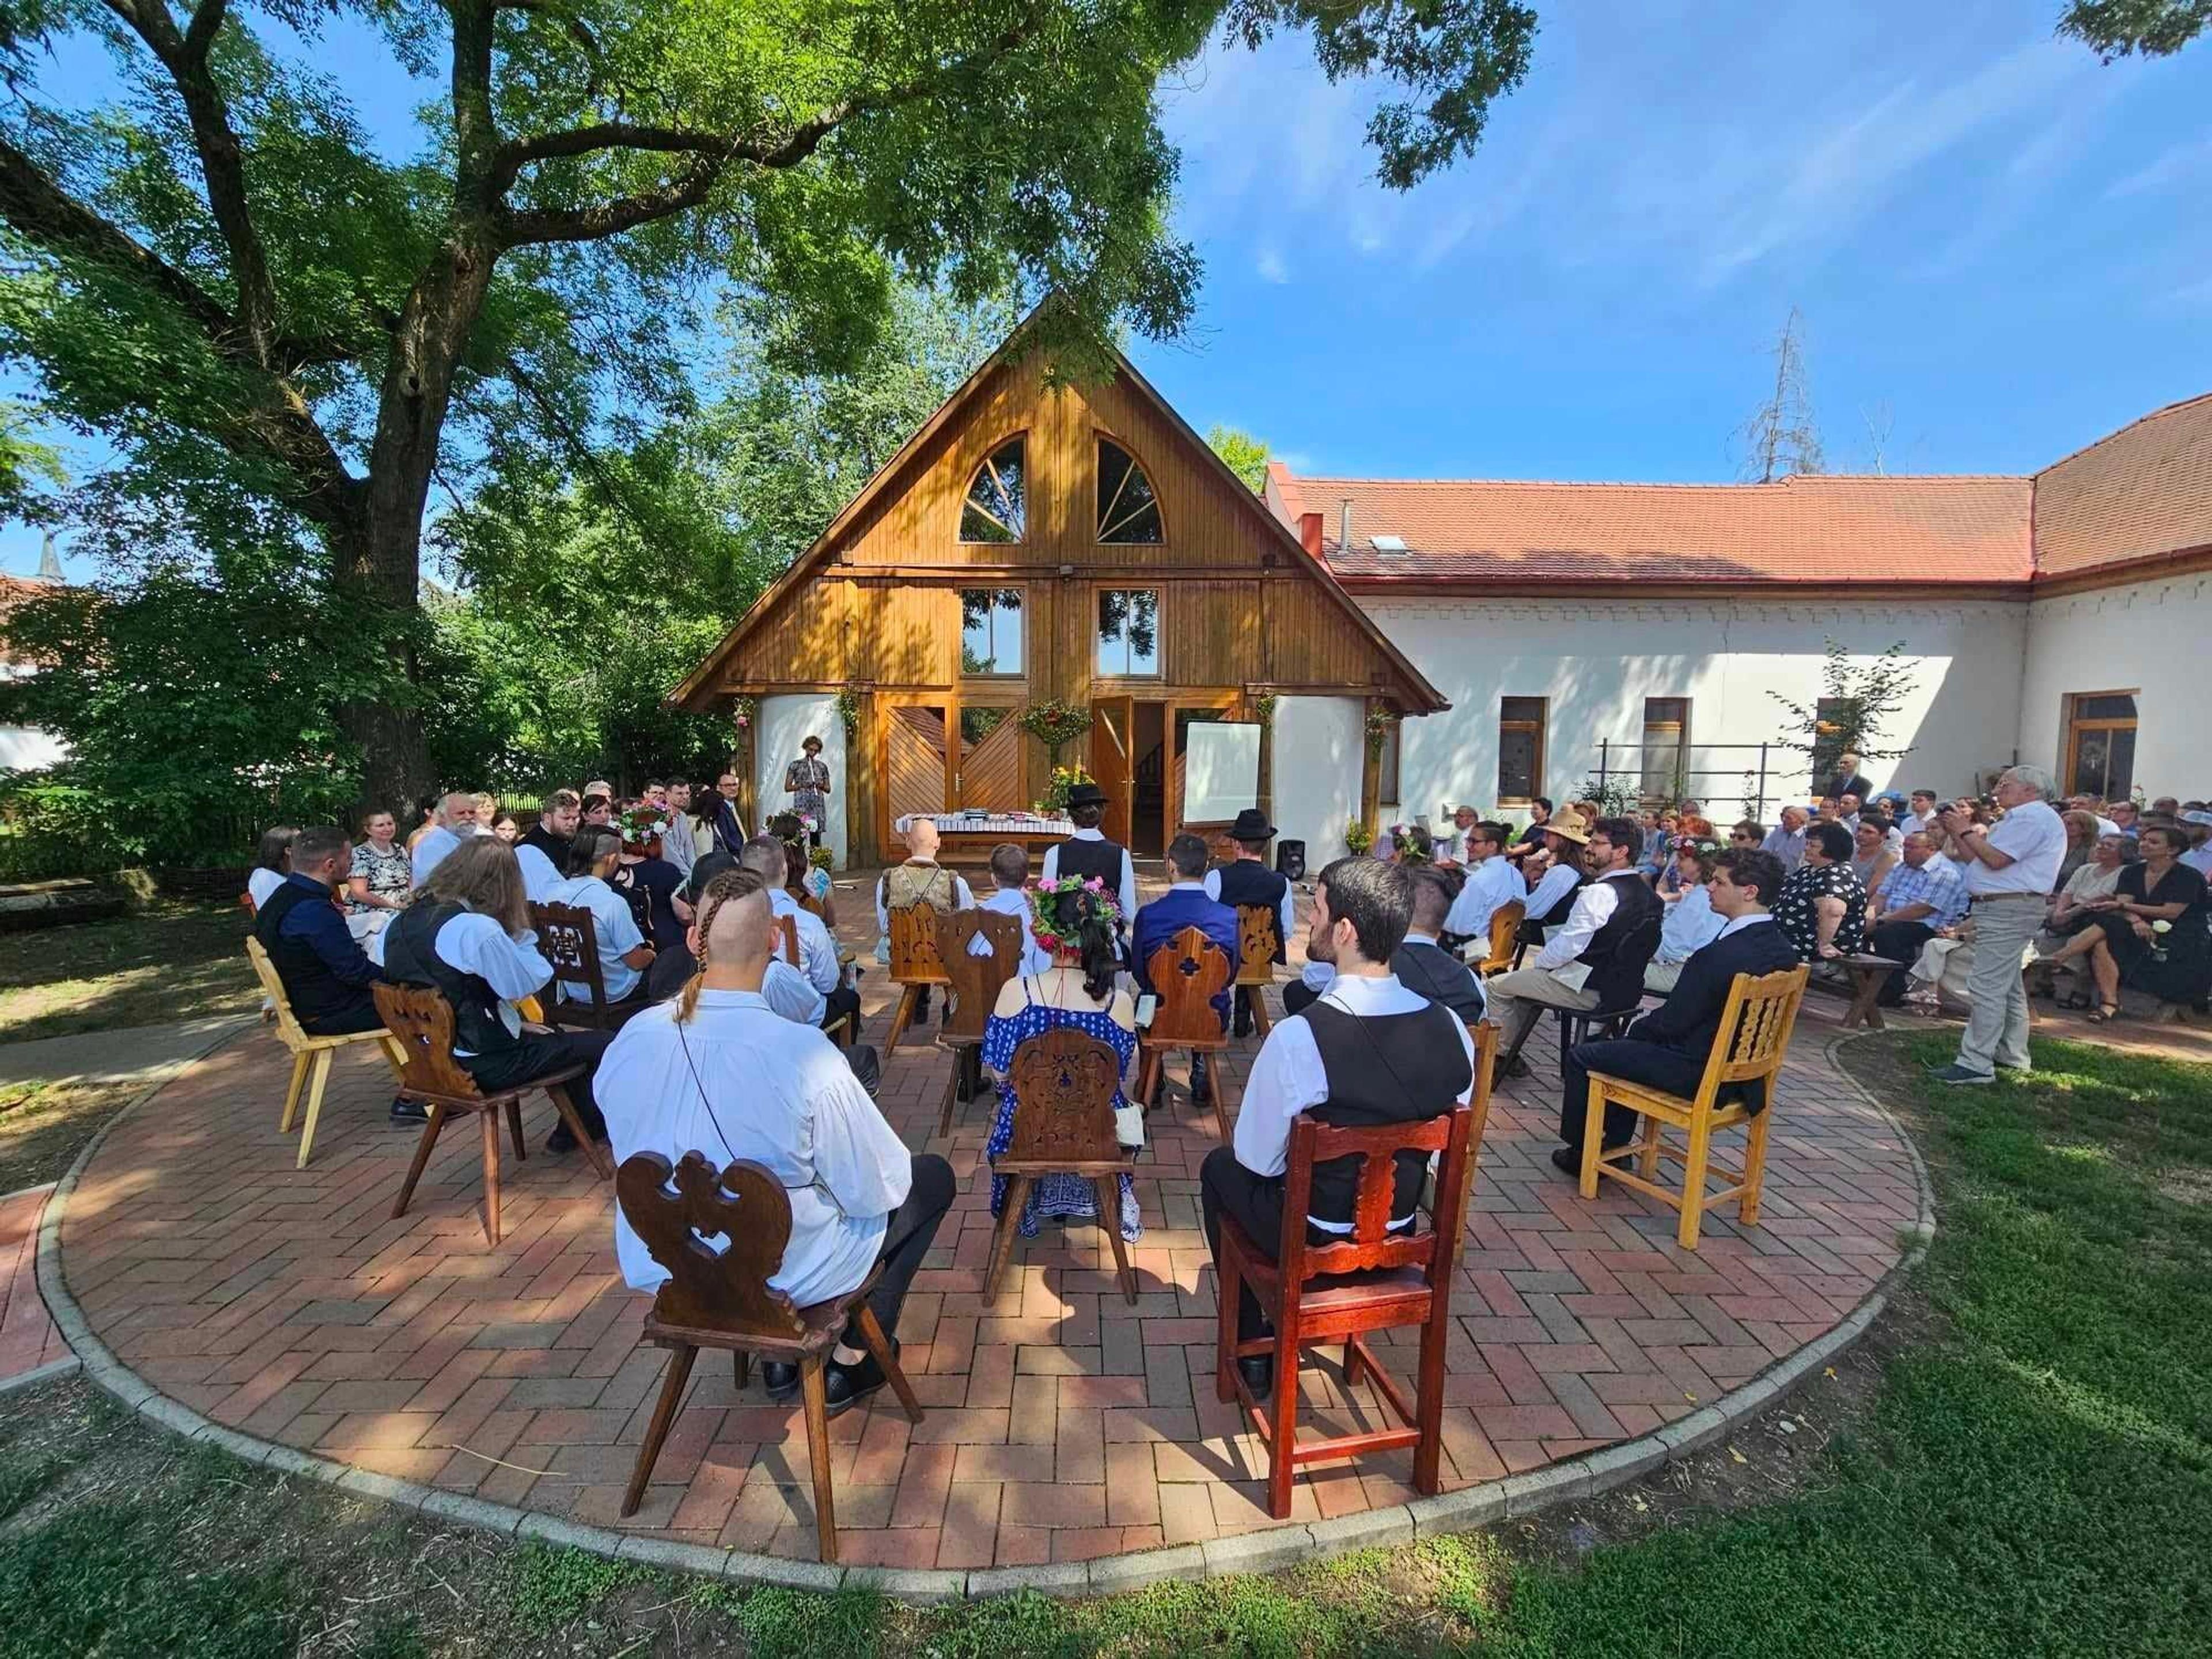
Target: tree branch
pixel 593 224
pixel 199 36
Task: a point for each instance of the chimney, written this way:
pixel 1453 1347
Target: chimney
pixel 1310 532
pixel 1344 527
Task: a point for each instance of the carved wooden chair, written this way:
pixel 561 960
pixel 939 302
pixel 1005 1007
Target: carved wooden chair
pixel 567 939
pixel 916 965
pixel 975 982
pixel 1504 938
pixel 420 1024
pixel 1373 1280
pixel 1187 974
pixel 1063 1084
pixel 311 1055
pixel 1747 1058
pixel 840 1031
pixel 724 1300
pixel 1259 936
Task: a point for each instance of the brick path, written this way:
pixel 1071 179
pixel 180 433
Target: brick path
pixel 27 1337
pixel 1061 1423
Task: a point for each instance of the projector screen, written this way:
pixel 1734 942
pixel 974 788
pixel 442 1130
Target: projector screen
pixel 1221 771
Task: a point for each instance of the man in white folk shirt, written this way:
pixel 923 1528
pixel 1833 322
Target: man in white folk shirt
pixel 2013 867
pixel 718 1071
pixel 1491 882
pixel 624 953
pixel 818 951
pixel 1368 1051
pixel 1010 897
pixel 457 822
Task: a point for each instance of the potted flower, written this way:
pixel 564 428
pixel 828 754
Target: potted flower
pixel 1357 838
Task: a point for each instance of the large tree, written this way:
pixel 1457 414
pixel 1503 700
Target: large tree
pixel 2118 28
pixel 252 302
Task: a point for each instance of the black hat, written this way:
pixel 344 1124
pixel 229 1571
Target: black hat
pixel 1086 793
pixel 1251 825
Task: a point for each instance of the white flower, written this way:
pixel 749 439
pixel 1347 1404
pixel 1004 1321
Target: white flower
pixel 2161 926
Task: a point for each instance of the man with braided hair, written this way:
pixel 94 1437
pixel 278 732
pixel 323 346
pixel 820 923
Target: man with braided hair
pixel 720 1071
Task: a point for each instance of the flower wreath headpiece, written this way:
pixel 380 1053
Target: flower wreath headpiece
pixel 1043 902
pixel 641 825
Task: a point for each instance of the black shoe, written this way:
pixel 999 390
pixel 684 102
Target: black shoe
pixel 409 1113
pixel 1517 1067
pixel 779 1377
pixel 561 1141
pixel 846 1386
pixel 1568 1160
pixel 1258 1370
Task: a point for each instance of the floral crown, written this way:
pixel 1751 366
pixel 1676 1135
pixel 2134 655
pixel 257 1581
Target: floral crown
pixel 1044 900
pixel 641 825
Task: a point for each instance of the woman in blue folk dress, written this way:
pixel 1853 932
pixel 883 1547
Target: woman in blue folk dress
pixel 1077 922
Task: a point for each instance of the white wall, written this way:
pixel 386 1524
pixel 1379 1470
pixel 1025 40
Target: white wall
pixel 26 749
pixel 1319 747
pixel 784 723
pixel 2150 638
pixel 1596 661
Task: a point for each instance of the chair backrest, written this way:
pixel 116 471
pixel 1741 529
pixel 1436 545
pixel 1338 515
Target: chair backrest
pixel 567 939
pixel 914 960
pixel 1259 936
pixel 1504 936
pixel 1064 1083
pixel 806 901
pixel 1485 1055
pixel 273 986
pixel 1756 1021
pixel 1187 974
pixel 786 927
pixel 977 980
pixel 1371 1243
pixel 422 1021
pixel 673 1209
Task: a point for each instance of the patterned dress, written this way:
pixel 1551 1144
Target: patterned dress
pixel 389 873
pixel 807 778
pixel 1052 1194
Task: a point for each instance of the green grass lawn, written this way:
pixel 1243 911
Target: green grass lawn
pixel 169 961
pixel 2033 1477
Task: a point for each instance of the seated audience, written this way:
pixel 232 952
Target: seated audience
pixel 1552 890
pixel 272 862
pixel 326 973
pixel 1246 879
pixel 380 879
pixel 599 809
pixel 1491 881
pixel 2081 838
pixel 1747 832
pixel 1531 840
pixel 1010 897
pixel 2125 818
pixel 457 822
pixel 807 881
pixel 1668 1048
pixel 653 889
pixel 1421 964
pixel 1917 900
pixel 2069 914
pixel 2199 824
pixel 818 951
pixel 1371 1051
pixel 718 815
pixel 2151 934
pixel 1693 822
pixel 595 855
pixel 1786 841
pixel 1921 817
pixel 506 827
pixel 679 843
pixel 1078 930
pixel 426 820
pixel 920 880
pixel 716 1070
pixel 1690 922
pixel 1871 857
pixel 557 822
pixel 1821 906
pixel 1452 848
pixel 1185 904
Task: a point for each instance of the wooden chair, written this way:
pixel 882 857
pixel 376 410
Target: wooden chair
pixel 567 940
pixel 1374 1280
pixel 309 1053
pixel 974 984
pixel 725 1301
pixel 916 965
pixel 840 1031
pixel 420 1024
pixel 1504 938
pixel 1187 974
pixel 1754 1035
pixel 1063 1084
pixel 1259 936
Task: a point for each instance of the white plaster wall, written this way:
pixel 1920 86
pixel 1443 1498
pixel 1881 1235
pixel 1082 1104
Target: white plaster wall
pixel 785 722
pixel 26 749
pixel 1597 660
pixel 2150 638
pixel 1319 752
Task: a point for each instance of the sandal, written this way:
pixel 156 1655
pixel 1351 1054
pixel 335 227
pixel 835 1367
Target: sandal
pixel 2077 1000
pixel 2105 1014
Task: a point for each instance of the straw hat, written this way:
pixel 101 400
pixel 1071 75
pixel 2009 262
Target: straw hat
pixel 1568 823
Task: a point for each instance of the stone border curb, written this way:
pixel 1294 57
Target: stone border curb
pixel 1269 1550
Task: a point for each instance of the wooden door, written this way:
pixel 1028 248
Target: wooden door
pixel 990 764
pixel 1111 762
pixel 918 760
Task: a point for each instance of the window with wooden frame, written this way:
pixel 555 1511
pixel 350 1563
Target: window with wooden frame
pixel 997 508
pixel 1665 748
pixel 1129 633
pixel 1520 749
pixel 990 631
pixel 1128 511
pixel 2100 743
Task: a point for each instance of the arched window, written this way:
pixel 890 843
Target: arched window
pixel 996 509
pixel 1127 509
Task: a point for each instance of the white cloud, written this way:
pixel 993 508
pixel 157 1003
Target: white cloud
pixel 1270 267
pixel 2180 164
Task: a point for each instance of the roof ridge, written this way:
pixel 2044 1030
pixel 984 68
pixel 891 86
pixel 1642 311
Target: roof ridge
pixel 1308 481
pixel 2157 414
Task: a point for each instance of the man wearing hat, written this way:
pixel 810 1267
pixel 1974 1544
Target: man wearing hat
pixel 1246 879
pixel 1087 853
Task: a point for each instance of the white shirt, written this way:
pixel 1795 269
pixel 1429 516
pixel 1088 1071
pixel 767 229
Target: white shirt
pixel 1126 895
pixel 2198 858
pixel 792 994
pixel 818 951
pixel 1554 885
pixel 1286 914
pixel 1491 884
pixel 539 877
pixel 1287 1076
pixel 260 884
pixel 1593 907
pixel 963 898
pixel 431 851
pixel 1690 925
pixel 612 926
pixel 1748 919
pixel 777 1092
pixel 478 945
pixel 1912 823
pixel 2034 837
pixel 1014 902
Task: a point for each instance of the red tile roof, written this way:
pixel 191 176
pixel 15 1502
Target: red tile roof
pixel 2145 490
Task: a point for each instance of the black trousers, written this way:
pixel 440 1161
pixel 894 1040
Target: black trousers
pixel 907 1240
pixel 358 1017
pixel 845 999
pixel 1227 1188
pixel 1624 1057
pixel 670 970
pixel 1900 941
pixel 1299 996
pixel 536 1055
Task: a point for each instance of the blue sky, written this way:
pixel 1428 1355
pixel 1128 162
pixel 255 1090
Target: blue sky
pixel 2002 248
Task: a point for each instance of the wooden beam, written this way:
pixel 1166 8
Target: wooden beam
pixel 1370 771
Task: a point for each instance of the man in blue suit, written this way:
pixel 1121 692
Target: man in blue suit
pixel 1185 904
pixel 1667 1048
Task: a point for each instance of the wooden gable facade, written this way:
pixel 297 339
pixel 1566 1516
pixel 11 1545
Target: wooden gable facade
pixel 942 637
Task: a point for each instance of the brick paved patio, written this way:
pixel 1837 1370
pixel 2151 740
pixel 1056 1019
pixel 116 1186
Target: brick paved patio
pixel 28 1341
pixel 1061 1423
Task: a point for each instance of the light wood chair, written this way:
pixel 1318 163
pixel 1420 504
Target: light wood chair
pixel 1754 1036
pixel 420 1024
pixel 839 1031
pixel 725 1301
pixel 1374 1280
pixel 567 940
pixel 974 985
pixel 916 965
pixel 1259 936
pixel 1063 1083
pixel 311 1055
pixel 1504 938
pixel 1187 974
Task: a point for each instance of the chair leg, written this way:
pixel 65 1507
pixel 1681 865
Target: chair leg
pixel 664 1413
pixel 558 1094
pixel 1647 1154
pixel 1755 1169
pixel 902 1016
pixel 951 1097
pixel 1214 1093
pixel 1693 1179
pixel 1351 1361
pixel 491 1174
pixel 302 1063
pixel 1283 1420
pixel 741 1368
pixel 1593 1136
pixel 1228 1286
pixel 1002 1239
pixel 1148 1069
pixel 1108 1188
pixel 1429 1406
pixel 421 1158
pixel 314 1105
pixel 514 1125
pixel 818 1453
pixel 872 1333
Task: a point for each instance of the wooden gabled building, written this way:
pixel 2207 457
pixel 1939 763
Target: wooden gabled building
pixel 1039 540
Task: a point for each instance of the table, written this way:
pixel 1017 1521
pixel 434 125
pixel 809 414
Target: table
pixel 968 840
pixel 1869 974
